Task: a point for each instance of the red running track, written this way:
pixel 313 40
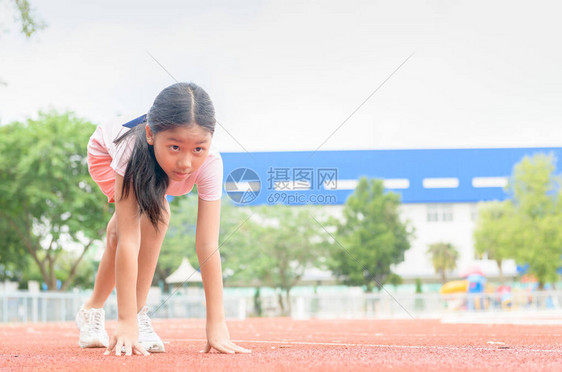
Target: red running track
pixel 282 344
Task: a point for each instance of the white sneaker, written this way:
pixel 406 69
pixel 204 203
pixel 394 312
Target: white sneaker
pixel 91 323
pixel 147 337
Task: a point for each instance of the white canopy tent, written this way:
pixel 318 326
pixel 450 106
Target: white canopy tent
pixel 184 273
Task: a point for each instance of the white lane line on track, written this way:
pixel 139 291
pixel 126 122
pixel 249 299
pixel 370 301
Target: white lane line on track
pixel 517 349
pixel 540 322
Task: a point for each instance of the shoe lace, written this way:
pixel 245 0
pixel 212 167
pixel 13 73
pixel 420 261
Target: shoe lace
pixel 97 321
pixel 145 324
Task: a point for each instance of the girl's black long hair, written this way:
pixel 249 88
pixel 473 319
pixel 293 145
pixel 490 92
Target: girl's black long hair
pixel 180 104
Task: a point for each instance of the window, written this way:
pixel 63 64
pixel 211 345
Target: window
pixel 446 213
pixel 439 212
pixel 432 213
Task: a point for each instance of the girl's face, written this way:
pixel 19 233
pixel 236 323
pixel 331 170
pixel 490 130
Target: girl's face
pixel 180 151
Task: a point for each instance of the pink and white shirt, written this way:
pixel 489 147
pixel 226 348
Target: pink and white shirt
pixel 208 177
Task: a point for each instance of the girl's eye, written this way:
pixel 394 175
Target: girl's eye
pixel 175 147
pixel 198 149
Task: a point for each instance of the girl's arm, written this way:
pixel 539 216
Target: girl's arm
pixel 126 267
pixel 207 247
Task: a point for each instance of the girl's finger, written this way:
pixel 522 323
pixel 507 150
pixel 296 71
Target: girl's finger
pixel 128 349
pixel 223 349
pixel 140 350
pixel 118 347
pixel 110 346
pixel 238 349
pixel 207 348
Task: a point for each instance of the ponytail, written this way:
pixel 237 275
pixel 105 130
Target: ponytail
pixel 145 176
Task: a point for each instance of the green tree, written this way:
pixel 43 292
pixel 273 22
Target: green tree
pixel 180 238
pixel 537 199
pixel 47 197
pixel 371 238
pixel 275 247
pixel 13 262
pixel 444 258
pixel 494 232
pixel 261 246
pixel 526 227
pixel 28 21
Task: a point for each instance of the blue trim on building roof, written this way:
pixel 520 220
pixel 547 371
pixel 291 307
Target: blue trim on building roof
pixel 414 165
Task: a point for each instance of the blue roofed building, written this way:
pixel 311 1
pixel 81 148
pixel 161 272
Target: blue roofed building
pixel 440 190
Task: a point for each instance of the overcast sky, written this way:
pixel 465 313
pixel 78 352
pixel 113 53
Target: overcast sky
pixel 285 74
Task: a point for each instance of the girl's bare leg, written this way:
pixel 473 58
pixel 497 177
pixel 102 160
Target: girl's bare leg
pixel 105 279
pixel 151 242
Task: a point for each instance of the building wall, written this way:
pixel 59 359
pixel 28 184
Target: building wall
pixel 440 222
pixel 449 223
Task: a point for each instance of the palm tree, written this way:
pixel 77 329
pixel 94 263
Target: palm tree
pixel 444 257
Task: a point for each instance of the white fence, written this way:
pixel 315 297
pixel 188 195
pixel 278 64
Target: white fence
pixel 52 306
pixel 431 305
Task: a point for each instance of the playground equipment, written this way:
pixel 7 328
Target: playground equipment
pixel 474 285
pixel 454 286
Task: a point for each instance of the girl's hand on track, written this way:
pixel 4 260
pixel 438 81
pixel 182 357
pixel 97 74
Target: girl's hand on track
pixel 125 339
pixel 219 338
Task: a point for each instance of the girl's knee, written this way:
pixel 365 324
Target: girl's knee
pixel 112 236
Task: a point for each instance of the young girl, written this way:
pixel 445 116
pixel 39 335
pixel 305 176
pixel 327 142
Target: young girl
pixel 164 153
